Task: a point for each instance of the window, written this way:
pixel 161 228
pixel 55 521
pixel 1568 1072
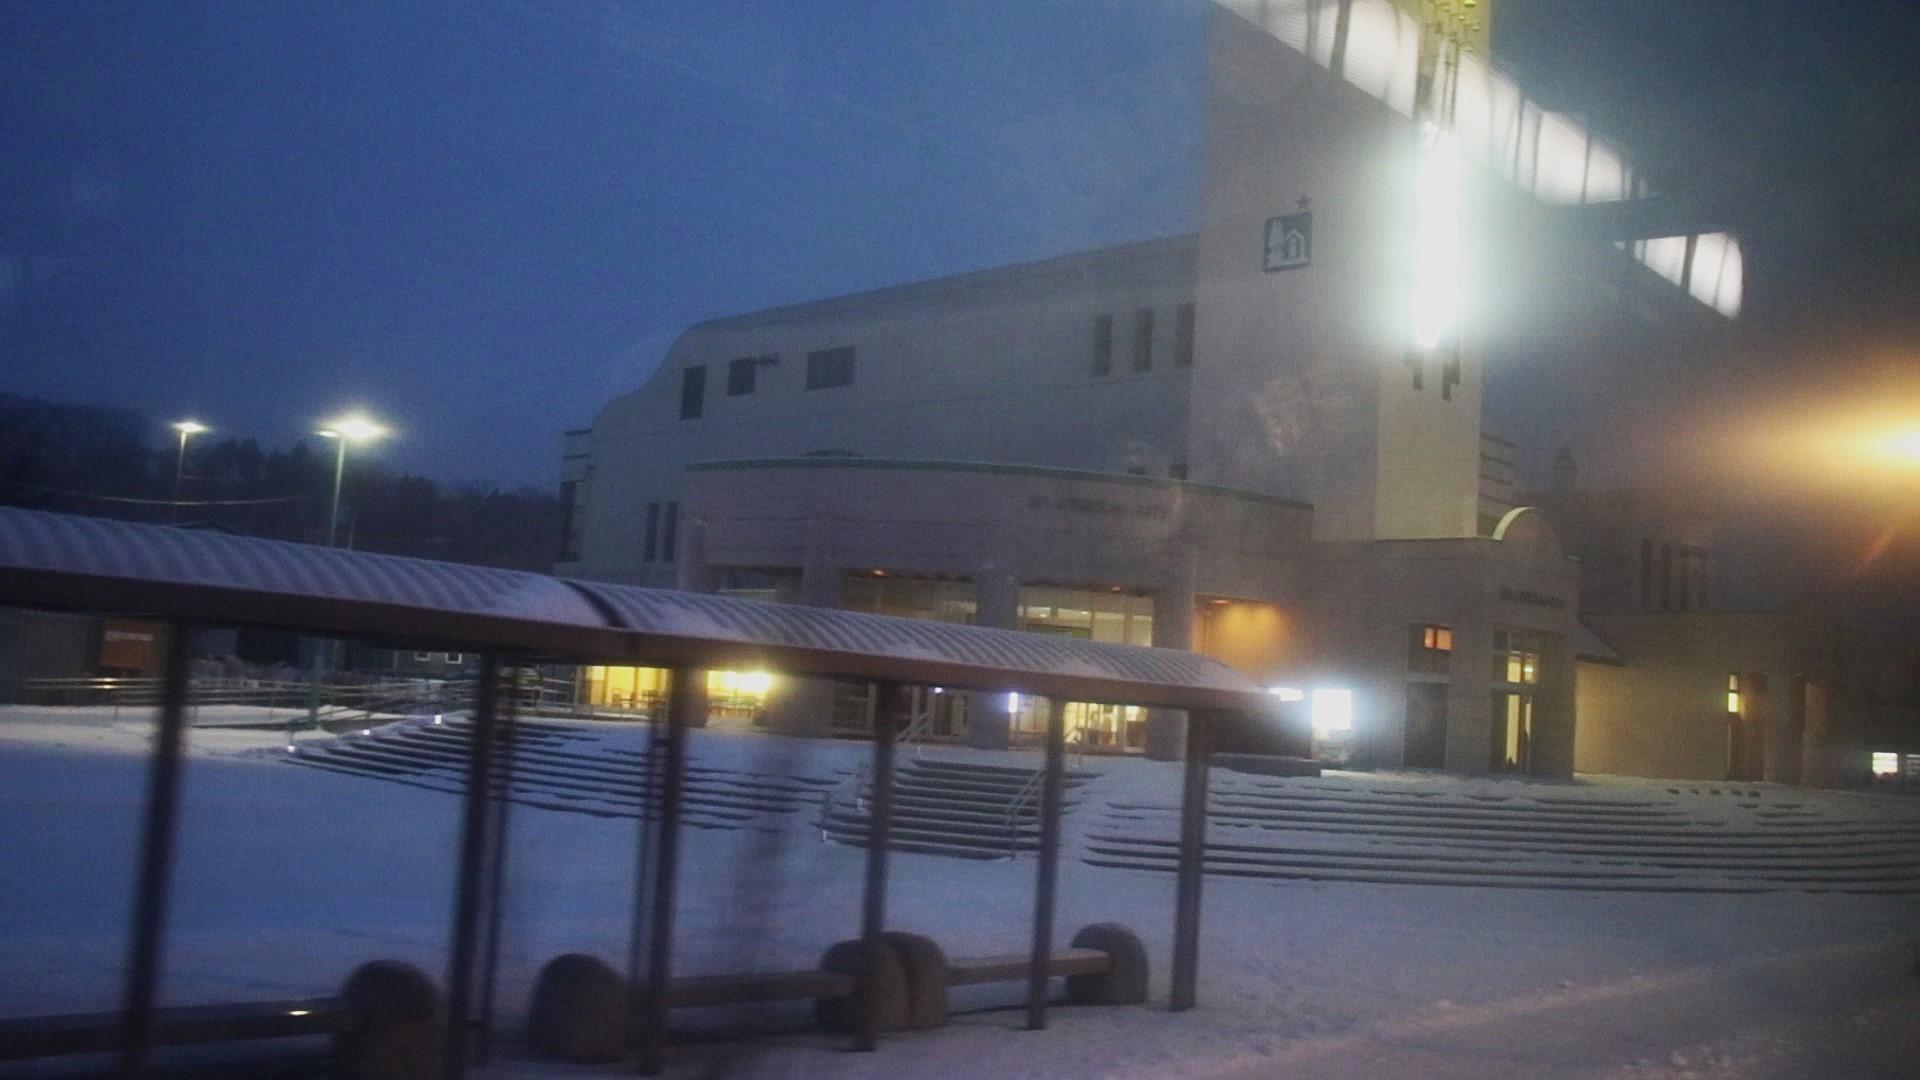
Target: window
pixel 1183 336
pixel 1143 340
pixel 569 549
pixel 456 658
pixel 693 392
pixel 829 368
pixel 740 373
pixel 423 658
pixel 650 546
pixel 1103 345
pixel 1646 575
pixel 1516 656
pixel 1429 649
pixel 1733 694
pixel 1666 577
pixel 1886 763
pixel 670 532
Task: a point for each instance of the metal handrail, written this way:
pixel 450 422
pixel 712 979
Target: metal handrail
pixel 1020 799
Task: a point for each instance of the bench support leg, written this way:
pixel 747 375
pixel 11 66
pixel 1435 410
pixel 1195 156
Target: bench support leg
pixel 1047 878
pixel 156 859
pixel 1193 843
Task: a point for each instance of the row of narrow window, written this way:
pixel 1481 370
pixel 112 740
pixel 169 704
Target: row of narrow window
pixel 826 369
pixel 1672 579
pixel 663 531
pixel 1142 357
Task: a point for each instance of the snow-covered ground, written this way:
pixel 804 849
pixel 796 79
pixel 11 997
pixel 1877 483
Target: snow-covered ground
pixel 289 877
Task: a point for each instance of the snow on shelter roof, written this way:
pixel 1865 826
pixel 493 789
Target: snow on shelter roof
pixel 77 563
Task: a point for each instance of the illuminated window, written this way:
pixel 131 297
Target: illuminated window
pixel 1733 693
pixel 1183 336
pixel 829 368
pixel 456 658
pixel 1886 763
pixel 1103 345
pixel 1430 648
pixel 422 657
pixel 1143 340
pixel 1517 656
pixel 693 392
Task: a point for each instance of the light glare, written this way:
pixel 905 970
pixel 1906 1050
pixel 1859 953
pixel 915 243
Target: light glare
pixel 355 428
pixel 1436 242
pixel 1332 711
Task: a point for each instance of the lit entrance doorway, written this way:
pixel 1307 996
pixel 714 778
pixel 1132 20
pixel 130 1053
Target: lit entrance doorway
pixel 1512 731
pixel 1426 725
pixel 1517 657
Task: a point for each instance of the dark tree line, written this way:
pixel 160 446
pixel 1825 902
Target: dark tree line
pixel 115 463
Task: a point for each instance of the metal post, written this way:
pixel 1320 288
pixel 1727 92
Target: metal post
pixel 324 647
pixel 156 860
pixel 643 855
pixel 470 882
pixel 1047 880
pixel 683 696
pixel 894 699
pixel 179 471
pixel 501 800
pixel 1193 843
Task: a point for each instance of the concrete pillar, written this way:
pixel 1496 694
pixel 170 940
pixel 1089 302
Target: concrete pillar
pixel 800 706
pixel 1173 628
pixel 996 604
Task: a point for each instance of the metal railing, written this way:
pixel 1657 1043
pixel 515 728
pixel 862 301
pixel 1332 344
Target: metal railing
pixel 1021 799
pixel 919 723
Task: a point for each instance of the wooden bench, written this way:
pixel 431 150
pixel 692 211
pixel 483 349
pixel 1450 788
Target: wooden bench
pixel 101 1033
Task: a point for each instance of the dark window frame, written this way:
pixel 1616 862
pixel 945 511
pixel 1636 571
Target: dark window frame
pixel 742 375
pixel 650 546
pixel 1103 345
pixel 829 369
pixel 1185 324
pixel 693 392
pixel 1143 339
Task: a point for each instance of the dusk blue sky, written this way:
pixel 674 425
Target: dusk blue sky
pixel 482 221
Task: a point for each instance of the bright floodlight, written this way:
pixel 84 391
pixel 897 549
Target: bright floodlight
pixel 1332 711
pixel 1902 445
pixel 190 427
pixel 354 428
pixel 1437 241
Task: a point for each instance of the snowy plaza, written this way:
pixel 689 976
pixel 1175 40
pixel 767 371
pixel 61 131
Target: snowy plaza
pixel 1571 956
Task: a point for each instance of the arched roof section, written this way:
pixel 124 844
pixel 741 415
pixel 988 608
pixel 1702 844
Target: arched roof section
pixel 89 564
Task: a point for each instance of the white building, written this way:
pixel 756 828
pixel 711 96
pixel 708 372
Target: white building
pixel 1262 440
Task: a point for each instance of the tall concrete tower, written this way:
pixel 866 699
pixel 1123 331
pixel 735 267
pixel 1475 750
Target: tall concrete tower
pixel 1332 363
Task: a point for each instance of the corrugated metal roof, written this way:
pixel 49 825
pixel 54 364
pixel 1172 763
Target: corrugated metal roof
pixel 95 547
pixel 76 563
pixel 699 616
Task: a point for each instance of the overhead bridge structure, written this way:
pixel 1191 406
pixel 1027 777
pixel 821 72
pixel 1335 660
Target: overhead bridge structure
pixel 192 579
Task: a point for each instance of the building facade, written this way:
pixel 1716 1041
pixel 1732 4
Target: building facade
pixel 1261 440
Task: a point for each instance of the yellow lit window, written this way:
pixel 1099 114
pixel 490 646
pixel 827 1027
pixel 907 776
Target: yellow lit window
pixel 1733 693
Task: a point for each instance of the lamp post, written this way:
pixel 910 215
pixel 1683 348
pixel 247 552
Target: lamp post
pixel 187 429
pixel 347 429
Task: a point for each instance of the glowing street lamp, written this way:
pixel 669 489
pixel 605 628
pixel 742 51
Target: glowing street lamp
pixel 187 429
pixel 348 429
